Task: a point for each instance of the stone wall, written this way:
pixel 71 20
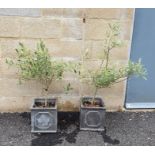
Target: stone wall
pixel 66 34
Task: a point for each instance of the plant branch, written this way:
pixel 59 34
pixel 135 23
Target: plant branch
pixel 108 50
pixel 120 80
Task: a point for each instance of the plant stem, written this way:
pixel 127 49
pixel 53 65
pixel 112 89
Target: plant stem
pixel 45 93
pixel 95 92
pixel 108 50
pixel 107 59
pixel 101 64
pixel 46 97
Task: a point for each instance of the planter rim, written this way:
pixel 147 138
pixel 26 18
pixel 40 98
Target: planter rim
pixel 55 107
pixel 98 97
pixel 32 131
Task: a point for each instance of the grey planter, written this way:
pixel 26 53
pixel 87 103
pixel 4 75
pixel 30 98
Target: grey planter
pixel 44 119
pixel 92 118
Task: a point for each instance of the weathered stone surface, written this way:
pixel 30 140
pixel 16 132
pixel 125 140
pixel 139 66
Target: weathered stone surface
pixel 92 64
pixel 64 48
pixel 72 28
pixel 70 75
pixel 105 13
pixel 69 103
pixel 9 87
pixel 120 53
pixel 56 47
pixel 57 87
pixel 53 12
pixel 114 102
pixel 9 51
pixel 9 27
pixel 71 48
pixel 126 29
pixel 127 13
pixel 53 45
pixel 16 104
pixel 130 13
pixel 40 28
pixel 73 13
pixel 116 89
pixel 6 70
pixel 109 13
pixel 95 50
pixel 95 29
pixel 32 12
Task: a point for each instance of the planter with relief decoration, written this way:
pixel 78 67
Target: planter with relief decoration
pixel 44 115
pixel 92 116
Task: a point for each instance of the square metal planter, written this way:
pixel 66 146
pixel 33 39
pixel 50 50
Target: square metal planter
pixel 44 119
pixel 92 118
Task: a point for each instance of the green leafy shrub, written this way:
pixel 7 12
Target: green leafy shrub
pixel 106 74
pixel 37 65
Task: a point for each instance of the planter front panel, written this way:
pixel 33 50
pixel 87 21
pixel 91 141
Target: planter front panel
pixel 92 119
pixel 44 120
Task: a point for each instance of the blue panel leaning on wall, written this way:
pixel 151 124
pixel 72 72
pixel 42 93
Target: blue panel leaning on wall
pixel 141 93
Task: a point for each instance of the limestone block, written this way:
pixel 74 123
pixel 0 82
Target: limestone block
pixel 72 28
pixel 10 87
pixel 9 51
pixel 57 87
pixel 109 13
pixel 114 103
pixel 9 27
pixel 73 13
pixel 95 29
pixel 106 13
pixel 7 71
pixel 53 12
pixel 96 50
pixel 40 28
pixel 31 12
pixel 64 48
pixel 126 29
pixel 16 104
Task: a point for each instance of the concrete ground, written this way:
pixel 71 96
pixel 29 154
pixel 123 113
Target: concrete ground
pixel 122 128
